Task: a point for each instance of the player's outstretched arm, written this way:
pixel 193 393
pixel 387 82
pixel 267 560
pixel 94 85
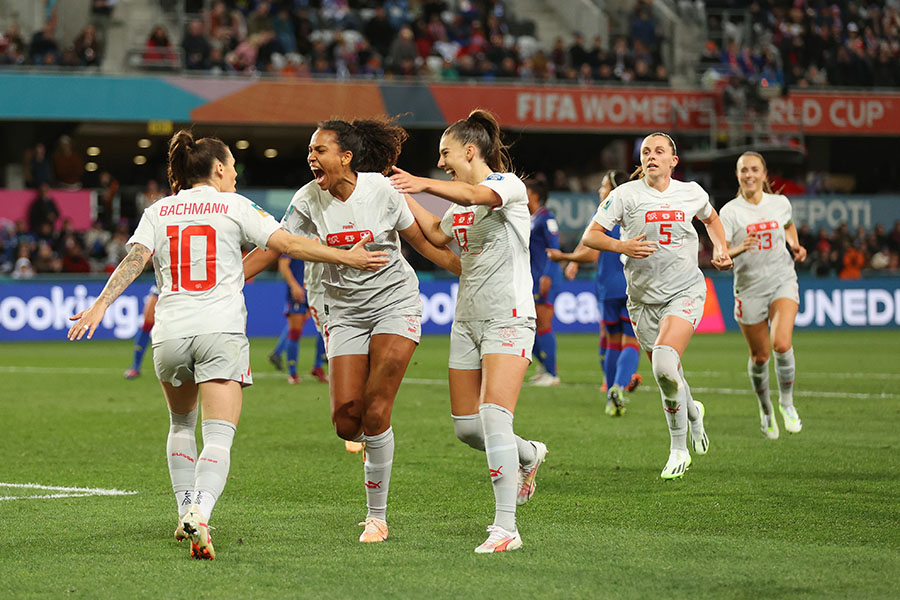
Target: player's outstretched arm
pixel 428 223
pixel 257 261
pixel 132 265
pixel 307 249
pixel 441 256
pixel 458 192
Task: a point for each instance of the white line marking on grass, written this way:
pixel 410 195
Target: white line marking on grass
pixel 69 492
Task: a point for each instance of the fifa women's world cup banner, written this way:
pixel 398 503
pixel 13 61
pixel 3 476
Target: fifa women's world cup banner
pixel 40 310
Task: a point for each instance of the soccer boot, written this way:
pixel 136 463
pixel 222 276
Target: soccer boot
pixel 768 424
pixel 276 361
pixel 546 380
pixel 319 374
pixel 354 447
pixel 679 462
pixel 616 398
pixel 499 540
pixel 376 530
pixel 132 374
pixel 792 421
pixel 528 475
pixel 699 441
pixel 634 383
pixel 194 524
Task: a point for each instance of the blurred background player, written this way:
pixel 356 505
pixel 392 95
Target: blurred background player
pixel 759 229
pixel 143 335
pixel 493 328
pixel 619 351
pixel 200 349
pixel 373 320
pixel 545 275
pixel 297 311
pixel 666 289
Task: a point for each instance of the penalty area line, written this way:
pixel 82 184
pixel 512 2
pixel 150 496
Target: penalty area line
pixel 67 492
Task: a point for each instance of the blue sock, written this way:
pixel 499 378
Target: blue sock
pixel 320 352
pixel 548 350
pixel 140 346
pixel 610 362
pixel 281 344
pixel 536 350
pixel 292 349
pixel 627 365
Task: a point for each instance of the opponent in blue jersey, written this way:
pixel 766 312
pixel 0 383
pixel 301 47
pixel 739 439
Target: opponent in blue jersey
pixel 143 336
pixel 619 350
pixel 546 276
pixel 297 311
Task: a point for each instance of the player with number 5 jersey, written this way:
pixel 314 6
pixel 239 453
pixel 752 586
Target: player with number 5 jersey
pixel 200 348
pixel 759 228
pixel 666 289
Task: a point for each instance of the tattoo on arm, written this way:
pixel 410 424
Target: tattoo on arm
pixel 127 271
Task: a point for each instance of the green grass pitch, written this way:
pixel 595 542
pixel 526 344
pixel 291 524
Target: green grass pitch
pixel 813 515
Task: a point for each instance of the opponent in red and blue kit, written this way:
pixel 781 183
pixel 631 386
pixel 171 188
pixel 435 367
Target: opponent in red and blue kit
pixel 546 276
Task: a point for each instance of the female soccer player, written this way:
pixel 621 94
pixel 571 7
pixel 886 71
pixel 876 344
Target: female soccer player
pixel 619 350
pixel 296 310
pixel 199 344
pixel 666 289
pixel 372 321
pixel 493 329
pixel 143 336
pixel 545 275
pixel 757 225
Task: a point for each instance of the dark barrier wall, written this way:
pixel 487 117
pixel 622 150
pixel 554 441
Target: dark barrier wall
pixel 40 310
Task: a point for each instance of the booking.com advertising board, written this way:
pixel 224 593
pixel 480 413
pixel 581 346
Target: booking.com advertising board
pixel 40 310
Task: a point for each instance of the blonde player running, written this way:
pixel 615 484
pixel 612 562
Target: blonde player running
pixel 372 321
pixel 666 289
pixel 759 228
pixel 199 344
pixel 494 326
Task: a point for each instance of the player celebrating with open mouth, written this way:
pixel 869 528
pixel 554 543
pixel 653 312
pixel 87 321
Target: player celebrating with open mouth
pixel 758 223
pixel 666 289
pixel 493 329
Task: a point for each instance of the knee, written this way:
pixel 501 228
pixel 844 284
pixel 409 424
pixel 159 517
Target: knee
pixel 665 369
pixel 347 422
pixel 760 358
pixel 781 346
pixel 469 431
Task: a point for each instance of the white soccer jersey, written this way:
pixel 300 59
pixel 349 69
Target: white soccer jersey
pixel 312 277
pixel 376 208
pixel 759 270
pixel 666 217
pixel 496 267
pixel 196 238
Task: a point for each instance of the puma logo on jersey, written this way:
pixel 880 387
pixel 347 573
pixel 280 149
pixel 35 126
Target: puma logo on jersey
pixel 349 225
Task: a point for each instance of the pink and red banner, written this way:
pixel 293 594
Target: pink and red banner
pixel 74 205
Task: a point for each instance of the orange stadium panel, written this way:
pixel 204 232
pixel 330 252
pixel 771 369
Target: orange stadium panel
pixel 712 321
pixel 293 103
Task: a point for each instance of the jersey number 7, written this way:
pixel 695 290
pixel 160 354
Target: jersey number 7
pixel 180 257
pixel 462 238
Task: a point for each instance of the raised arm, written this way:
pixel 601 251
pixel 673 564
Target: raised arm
pixel 428 223
pixel 721 259
pixel 132 265
pixel 458 192
pixel 305 248
pixel 441 256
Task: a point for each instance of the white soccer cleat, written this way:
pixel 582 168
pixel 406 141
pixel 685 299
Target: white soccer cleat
pixel 376 530
pixel 527 476
pixel 699 440
pixel 679 462
pixel 546 380
pixel 499 540
pixel 194 525
pixel 768 425
pixel 792 422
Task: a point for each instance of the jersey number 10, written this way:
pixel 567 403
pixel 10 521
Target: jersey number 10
pixel 180 257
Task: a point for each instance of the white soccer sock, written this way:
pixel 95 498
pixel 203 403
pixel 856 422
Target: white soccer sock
pixel 759 379
pixel 784 373
pixel 671 387
pixel 470 431
pixel 379 460
pixel 503 462
pixel 693 410
pixel 212 466
pixel 181 454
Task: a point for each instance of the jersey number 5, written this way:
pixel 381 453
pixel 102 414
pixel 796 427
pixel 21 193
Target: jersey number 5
pixel 665 234
pixel 180 257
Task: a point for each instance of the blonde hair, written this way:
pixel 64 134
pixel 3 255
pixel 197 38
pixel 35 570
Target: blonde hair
pixel 767 187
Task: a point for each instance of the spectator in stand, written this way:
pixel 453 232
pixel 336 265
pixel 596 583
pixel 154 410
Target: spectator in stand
pixel 577 54
pixel 643 28
pixel 12 46
pixel 195 46
pixel 23 269
pixel 87 48
pixel 45 260
pixel 107 195
pixel 95 240
pixel 379 31
pixel 261 19
pixel 37 167
pixel 43 49
pixel 403 49
pixel 73 260
pixel 42 209
pixel 158 50
pixel 283 26
pixel 853 262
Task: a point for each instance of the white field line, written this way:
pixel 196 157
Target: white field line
pixel 70 492
pixel 420 381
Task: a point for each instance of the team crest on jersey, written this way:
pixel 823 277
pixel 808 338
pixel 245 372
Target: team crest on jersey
pixel 605 204
pixel 507 333
pixel 552 226
pixel 494 177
